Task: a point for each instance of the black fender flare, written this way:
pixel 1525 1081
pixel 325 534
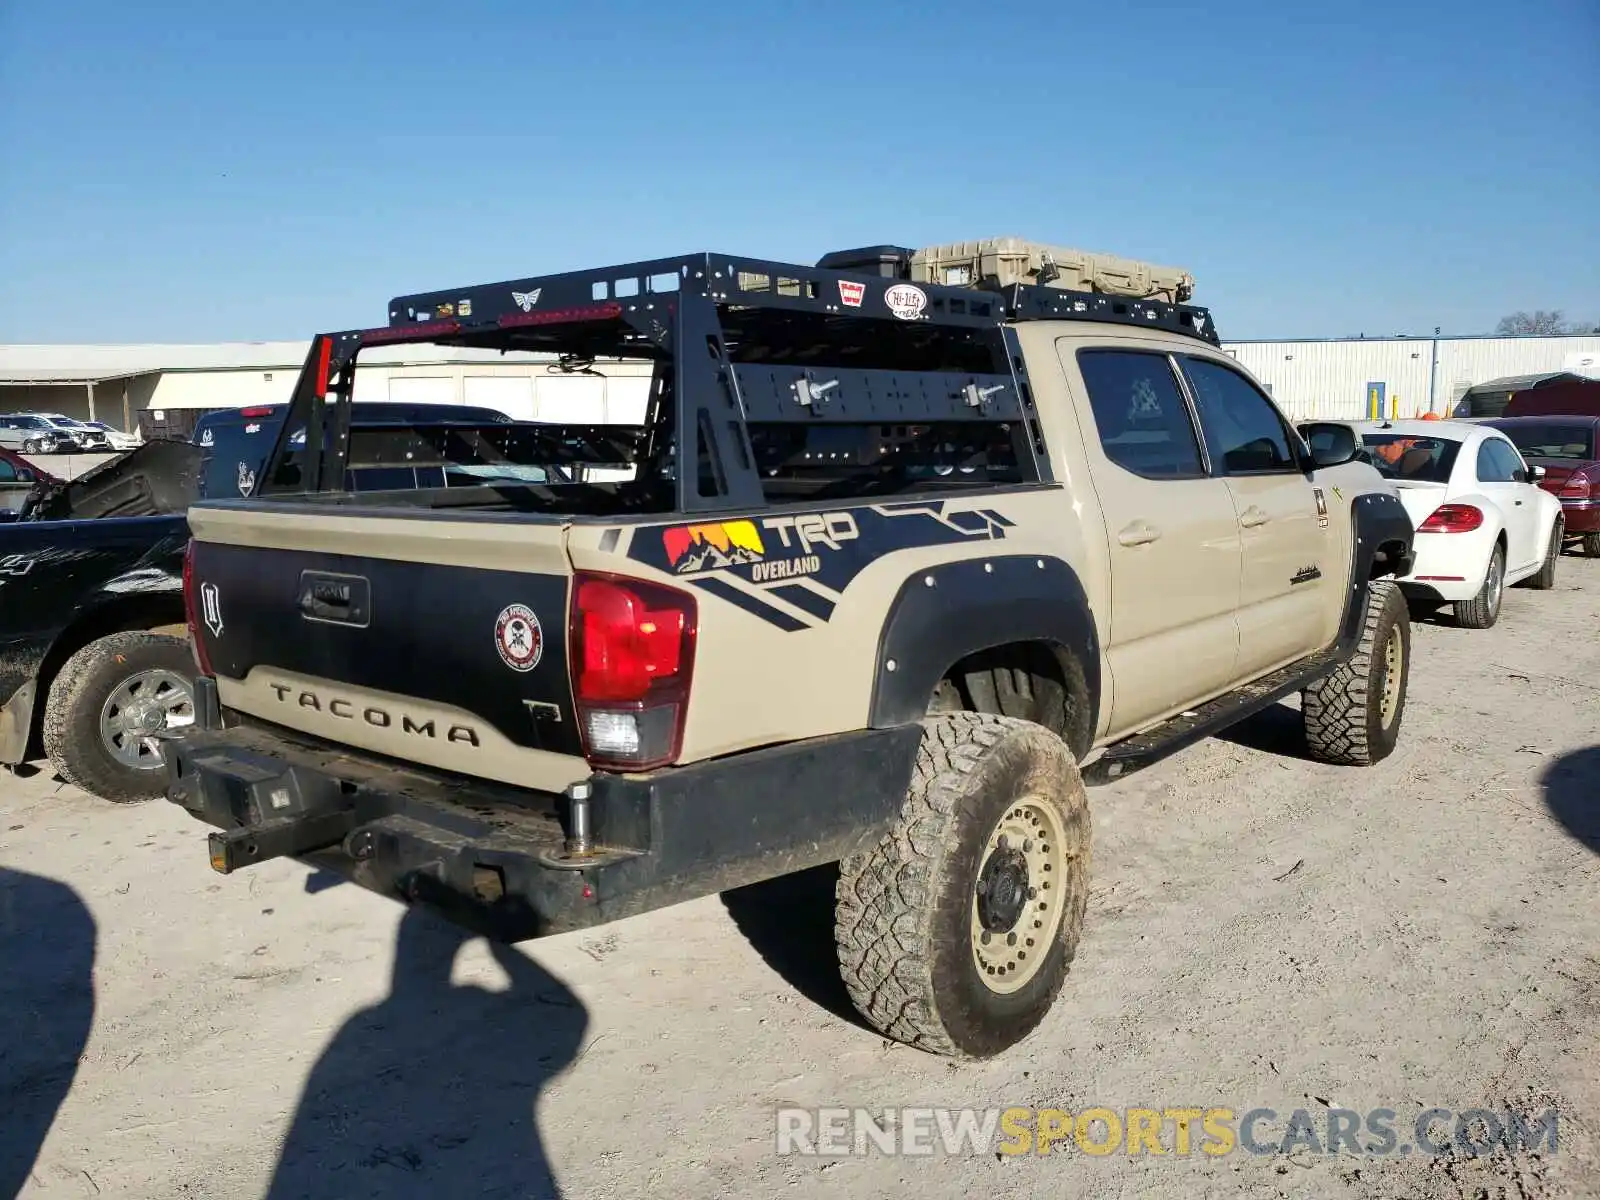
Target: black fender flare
pixel 945 613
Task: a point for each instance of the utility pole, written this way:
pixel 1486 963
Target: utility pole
pixel 1433 369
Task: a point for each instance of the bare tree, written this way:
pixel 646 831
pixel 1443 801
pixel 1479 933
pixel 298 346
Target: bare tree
pixel 1537 322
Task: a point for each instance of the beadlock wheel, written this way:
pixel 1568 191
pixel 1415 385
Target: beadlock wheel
pixel 1018 903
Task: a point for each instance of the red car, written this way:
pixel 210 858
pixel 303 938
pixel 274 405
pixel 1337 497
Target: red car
pixel 18 477
pixel 1567 446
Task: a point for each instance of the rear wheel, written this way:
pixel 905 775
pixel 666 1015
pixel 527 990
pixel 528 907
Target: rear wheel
pixel 1546 578
pixel 1352 714
pixel 1591 544
pixel 109 708
pixel 1483 610
pixel 956 931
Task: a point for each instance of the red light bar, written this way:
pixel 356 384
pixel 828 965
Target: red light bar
pixel 324 355
pixel 410 333
pixel 259 412
pixel 562 316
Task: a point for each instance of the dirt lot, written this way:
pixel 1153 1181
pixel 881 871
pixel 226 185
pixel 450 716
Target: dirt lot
pixel 1264 932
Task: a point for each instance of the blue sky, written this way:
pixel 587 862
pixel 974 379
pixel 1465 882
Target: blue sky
pixel 199 171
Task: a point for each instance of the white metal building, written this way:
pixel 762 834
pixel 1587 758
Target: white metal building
pixel 119 383
pixel 1351 378
pixel 1333 378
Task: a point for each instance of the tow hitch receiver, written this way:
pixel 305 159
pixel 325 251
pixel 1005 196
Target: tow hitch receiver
pixel 235 848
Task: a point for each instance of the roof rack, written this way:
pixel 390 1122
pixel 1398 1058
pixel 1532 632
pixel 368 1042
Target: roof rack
pixel 644 294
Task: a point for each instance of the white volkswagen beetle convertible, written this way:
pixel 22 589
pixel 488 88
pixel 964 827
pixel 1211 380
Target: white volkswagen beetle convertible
pixel 1483 523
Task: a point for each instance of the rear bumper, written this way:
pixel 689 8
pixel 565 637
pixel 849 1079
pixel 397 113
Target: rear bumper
pixel 1581 516
pixel 498 859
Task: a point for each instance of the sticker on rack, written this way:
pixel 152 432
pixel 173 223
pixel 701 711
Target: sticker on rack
pixel 905 301
pixel 445 310
pixel 851 294
pixel 1322 508
pixel 526 300
pixel 211 608
pixel 518 637
pixel 464 308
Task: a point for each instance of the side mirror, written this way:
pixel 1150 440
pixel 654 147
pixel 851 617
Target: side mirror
pixel 1332 444
pixel 1536 473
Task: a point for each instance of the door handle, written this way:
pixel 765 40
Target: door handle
pixel 1252 517
pixel 1140 533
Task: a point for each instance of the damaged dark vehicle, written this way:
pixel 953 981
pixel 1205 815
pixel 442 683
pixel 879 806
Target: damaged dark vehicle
pixel 95 666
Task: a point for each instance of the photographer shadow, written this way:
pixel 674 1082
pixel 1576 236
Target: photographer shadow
pixel 1572 794
pixel 432 1091
pixel 47 951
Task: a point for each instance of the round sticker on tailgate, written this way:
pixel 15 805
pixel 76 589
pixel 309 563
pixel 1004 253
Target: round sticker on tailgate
pixel 518 637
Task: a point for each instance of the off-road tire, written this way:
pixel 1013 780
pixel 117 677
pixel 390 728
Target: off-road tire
pixel 1483 610
pixel 72 737
pixel 904 918
pixel 1545 579
pixel 1591 544
pixel 1344 711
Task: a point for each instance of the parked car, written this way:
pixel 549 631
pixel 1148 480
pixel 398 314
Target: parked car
pixel 1483 522
pixel 85 435
pixel 18 478
pixel 115 439
pixel 1568 449
pixel 33 434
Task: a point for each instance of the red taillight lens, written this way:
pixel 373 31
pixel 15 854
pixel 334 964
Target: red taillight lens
pixel 631 646
pixel 1452 518
pixel 191 611
pixel 1577 487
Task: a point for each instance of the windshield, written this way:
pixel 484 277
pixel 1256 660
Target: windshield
pixel 1422 459
pixel 1573 442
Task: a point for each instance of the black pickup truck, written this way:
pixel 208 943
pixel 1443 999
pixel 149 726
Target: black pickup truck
pixel 95 664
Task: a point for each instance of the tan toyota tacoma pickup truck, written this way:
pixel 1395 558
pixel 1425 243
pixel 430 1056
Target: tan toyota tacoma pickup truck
pixel 907 549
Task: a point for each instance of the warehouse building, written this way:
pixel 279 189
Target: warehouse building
pixel 162 389
pixel 1350 378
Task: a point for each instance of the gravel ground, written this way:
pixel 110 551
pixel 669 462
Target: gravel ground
pixel 1263 932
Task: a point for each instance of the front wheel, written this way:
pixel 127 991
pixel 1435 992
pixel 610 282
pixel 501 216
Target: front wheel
pixel 109 708
pixel 1352 714
pixel 1483 610
pixel 956 931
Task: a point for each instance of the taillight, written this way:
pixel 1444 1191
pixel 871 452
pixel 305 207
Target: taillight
pixel 1577 487
pixel 192 605
pixel 631 646
pixel 1452 518
pixel 256 412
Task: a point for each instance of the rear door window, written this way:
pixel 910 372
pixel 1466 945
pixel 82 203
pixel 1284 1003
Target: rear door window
pixel 1140 413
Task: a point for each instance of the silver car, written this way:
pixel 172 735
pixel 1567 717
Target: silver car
pixel 33 434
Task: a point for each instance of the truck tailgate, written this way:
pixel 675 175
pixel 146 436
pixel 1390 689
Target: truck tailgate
pixel 431 640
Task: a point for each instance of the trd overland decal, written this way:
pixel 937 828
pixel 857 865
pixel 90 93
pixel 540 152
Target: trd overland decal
pixel 804 560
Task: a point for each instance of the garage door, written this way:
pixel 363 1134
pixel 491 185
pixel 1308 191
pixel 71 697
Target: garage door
pixel 510 394
pixel 425 389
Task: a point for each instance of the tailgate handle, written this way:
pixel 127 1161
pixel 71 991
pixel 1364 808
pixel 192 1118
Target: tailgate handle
pixel 336 599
